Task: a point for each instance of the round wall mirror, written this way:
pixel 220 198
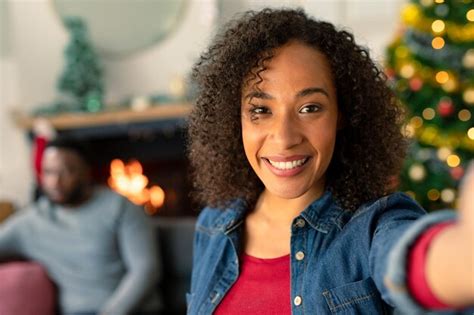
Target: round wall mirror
pixel 122 27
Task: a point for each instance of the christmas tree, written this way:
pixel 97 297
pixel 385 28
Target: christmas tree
pixel 81 80
pixel 430 66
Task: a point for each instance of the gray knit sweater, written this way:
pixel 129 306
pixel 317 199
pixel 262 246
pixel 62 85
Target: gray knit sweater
pixel 102 255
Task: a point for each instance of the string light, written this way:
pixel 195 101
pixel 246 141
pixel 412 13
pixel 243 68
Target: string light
pixel 448 195
pixel 450 85
pixel 407 71
pixel 470 15
pixel 439 1
pixel 437 42
pixel 453 160
pixel 468 59
pixel 442 77
pixel 470 133
pixel 417 172
pixel 468 96
pixel 438 26
pixel 443 153
pixel 428 113
pixel 464 115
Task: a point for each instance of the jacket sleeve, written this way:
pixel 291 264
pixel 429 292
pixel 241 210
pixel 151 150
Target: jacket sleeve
pixel 400 222
pixel 139 249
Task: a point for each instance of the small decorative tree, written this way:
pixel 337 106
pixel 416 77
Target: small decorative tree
pixel 82 79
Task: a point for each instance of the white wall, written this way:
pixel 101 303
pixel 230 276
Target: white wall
pixel 31 59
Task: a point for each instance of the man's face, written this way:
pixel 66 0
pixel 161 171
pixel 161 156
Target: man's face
pixel 65 176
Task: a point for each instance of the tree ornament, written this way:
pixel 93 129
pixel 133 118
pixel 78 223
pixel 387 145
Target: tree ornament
pixel 457 172
pixel 415 84
pixel 445 107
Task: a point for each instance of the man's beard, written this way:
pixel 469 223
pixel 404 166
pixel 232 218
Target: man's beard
pixel 75 197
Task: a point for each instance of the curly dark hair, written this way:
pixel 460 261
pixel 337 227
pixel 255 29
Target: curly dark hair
pixel 369 148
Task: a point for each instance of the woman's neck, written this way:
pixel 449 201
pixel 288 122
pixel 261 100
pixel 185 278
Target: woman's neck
pixel 282 210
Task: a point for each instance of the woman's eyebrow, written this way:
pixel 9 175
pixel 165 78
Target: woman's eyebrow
pixel 258 94
pixel 302 93
pixel 312 90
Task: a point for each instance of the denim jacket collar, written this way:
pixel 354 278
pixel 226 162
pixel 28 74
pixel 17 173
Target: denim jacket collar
pixel 321 214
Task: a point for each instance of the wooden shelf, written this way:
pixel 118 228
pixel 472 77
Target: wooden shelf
pixel 107 117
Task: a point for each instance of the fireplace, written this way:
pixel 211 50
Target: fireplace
pixel 153 147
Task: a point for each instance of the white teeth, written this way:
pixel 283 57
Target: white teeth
pixel 287 165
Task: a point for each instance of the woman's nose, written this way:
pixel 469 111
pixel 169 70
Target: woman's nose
pixel 286 132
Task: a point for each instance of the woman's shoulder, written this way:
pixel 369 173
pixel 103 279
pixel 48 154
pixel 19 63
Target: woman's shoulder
pixel 393 202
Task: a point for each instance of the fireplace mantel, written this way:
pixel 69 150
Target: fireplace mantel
pixel 80 120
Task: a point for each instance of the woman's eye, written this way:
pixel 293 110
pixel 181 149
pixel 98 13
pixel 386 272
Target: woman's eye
pixel 312 108
pixel 259 110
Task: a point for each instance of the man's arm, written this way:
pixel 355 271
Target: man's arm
pixel 138 246
pixel 450 259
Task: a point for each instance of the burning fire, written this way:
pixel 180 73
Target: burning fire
pixel 129 181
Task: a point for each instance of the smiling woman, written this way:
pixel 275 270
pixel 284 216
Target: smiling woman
pixel 295 142
pixel 289 126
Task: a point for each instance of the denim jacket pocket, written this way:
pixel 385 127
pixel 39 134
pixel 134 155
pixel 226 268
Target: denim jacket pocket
pixel 360 297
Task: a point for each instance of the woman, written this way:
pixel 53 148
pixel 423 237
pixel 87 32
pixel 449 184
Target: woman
pixel 295 142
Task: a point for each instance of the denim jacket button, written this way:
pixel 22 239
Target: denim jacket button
pixel 297 300
pixel 299 255
pixel 300 223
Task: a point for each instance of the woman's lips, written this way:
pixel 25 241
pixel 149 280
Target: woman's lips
pixel 286 166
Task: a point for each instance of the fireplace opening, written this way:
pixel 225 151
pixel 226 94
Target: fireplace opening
pixel 144 161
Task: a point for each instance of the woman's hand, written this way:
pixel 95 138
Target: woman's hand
pixel 466 210
pixel 450 264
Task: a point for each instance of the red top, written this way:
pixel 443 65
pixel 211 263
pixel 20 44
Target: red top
pixel 263 288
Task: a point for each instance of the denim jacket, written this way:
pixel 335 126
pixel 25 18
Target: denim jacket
pixel 353 262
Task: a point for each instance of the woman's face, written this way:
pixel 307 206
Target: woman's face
pixel 289 122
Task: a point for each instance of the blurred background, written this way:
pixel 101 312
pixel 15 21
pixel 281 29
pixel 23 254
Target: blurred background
pixel 134 56
pixel 115 74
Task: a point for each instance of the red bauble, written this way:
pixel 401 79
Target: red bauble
pixel 445 108
pixel 416 84
pixel 457 172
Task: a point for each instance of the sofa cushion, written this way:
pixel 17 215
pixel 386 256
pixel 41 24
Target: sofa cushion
pixel 25 289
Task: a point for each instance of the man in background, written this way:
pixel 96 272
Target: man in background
pixel 98 248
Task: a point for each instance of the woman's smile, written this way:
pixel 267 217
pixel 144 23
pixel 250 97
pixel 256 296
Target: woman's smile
pixel 286 166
